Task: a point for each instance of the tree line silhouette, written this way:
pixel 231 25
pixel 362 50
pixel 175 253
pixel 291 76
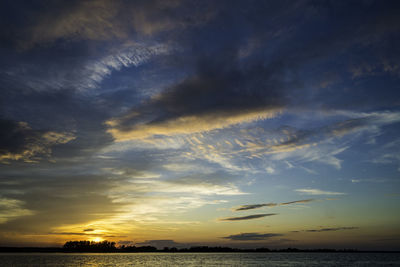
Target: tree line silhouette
pixel 90 246
pixel 107 246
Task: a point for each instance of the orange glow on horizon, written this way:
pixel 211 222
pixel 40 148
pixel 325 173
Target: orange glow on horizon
pixel 97 239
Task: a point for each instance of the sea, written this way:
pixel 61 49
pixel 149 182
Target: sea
pixel 199 259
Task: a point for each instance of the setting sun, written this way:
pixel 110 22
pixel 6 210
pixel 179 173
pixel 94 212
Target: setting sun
pixel 97 239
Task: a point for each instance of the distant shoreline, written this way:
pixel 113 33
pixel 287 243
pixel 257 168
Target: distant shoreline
pixel 185 250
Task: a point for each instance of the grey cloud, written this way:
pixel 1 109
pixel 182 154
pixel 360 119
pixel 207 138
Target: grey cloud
pixel 220 94
pixel 251 236
pixel 257 206
pixel 97 20
pixel 18 141
pixel 327 229
pixel 249 217
pixel 254 206
pixel 56 111
pixel 298 201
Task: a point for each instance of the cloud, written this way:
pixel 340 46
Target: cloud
pixel 83 72
pixel 270 170
pixel 254 206
pixel 83 199
pixel 251 236
pixel 327 229
pixel 18 141
pixel 298 201
pixel 218 95
pixel 129 54
pixel 94 20
pixel 257 206
pixel 215 68
pixel 187 124
pixel 102 20
pixel 322 144
pixel 197 185
pixel 11 209
pixel 249 217
pixel 70 233
pixel 309 191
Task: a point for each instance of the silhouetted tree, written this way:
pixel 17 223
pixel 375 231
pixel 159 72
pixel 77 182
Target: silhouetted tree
pixel 89 246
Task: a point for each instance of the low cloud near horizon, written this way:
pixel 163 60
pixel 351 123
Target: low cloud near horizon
pixel 257 206
pixel 251 236
pixel 331 229
pixel 249 217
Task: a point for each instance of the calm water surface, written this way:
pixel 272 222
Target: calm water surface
pixel 200 259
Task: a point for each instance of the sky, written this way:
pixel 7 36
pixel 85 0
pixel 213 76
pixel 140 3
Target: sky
pixel 180 123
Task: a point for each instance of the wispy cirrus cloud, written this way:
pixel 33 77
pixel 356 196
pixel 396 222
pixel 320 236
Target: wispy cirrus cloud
pixel 310 191
pixel 249 217
pixel 84 73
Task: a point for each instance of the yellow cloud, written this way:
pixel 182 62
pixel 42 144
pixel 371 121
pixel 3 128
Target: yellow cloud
pixel 187 124
pixel 12 208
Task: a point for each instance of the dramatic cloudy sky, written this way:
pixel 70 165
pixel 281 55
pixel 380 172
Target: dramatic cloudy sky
pixel 173 123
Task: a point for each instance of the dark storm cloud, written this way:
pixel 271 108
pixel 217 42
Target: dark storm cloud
pixel 251 236
pixel 249 217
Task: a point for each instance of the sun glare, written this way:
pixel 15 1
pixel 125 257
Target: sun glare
pixel 97 239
